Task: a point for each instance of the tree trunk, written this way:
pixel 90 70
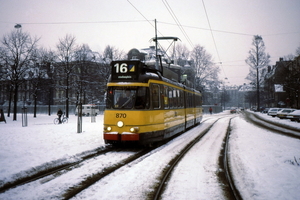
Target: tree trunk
pixel 15 102
pixel 67 97
pixel 9 102
pixel 49 103
pixel 34 109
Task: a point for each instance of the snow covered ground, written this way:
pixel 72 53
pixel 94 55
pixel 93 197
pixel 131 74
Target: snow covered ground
pixel 264 162
pixel 28 148
pixel 198 169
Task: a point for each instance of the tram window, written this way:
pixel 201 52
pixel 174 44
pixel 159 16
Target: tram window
pixel 142 98
pixel 178 99
pixel 166 98
pixel 123 97
pixel 128 97
pixel 198 100
pixel 155 96
pixel 201 100
pixel 170 97
pixel 181 99
pixel 187 99
pixel 190 98
pixel 193 100
pixel 174 98
pixel 109 98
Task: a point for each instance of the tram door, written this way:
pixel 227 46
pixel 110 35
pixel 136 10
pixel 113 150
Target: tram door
pixel 185 109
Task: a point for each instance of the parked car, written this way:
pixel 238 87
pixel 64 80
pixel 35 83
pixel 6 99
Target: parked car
pixel 294 116
pixel 283 113
pixel 273 111
pixel 253 109
pixel 265 110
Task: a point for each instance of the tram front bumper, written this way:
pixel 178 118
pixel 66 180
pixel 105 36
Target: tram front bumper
pixel 125 136
pixel 112 136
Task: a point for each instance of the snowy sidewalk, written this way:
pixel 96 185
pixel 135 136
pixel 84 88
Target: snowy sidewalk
pixel 25 148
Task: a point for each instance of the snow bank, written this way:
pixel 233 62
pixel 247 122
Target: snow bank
pixel 262 162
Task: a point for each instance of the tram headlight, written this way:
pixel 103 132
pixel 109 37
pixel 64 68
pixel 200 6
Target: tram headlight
pixel 120 124
pixel 134 129
pixel 107 128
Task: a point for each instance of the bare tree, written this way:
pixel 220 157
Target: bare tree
pixel 66 48
pixel 206 73
pixel 85 74
pixel 41 76
pixel 16 58
pixel 298 51
pixel 112 53
pixel 258 59
pixel 181 54
pixel 289 57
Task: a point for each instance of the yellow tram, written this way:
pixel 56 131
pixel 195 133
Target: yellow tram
pixel 145 104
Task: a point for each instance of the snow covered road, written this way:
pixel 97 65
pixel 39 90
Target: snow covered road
pixel 136 180
pixel 197 173
pixel 264 162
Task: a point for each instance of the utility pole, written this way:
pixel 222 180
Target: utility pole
pixel 257 79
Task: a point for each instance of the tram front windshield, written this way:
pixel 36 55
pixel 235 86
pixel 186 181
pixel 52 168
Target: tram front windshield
pixel 127 98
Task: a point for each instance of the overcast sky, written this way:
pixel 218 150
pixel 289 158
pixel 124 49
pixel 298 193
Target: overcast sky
pixel 127 24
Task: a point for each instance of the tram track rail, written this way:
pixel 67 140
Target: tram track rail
pixel 167 172
pixel 93 178
pixel 271 125
pixel 225 178
pixel 233 193
pixel 61 168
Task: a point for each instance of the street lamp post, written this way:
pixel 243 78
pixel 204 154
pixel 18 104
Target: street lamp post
pixel 67 70
pixel 257 88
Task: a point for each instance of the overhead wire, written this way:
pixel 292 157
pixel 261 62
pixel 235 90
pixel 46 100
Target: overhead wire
pixel 140 13
pixel 146 20
pixel 143 16
pixel 170 10
pixel 213 37
pixel 206 29
pixel 95 22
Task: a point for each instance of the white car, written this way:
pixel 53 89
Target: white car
pixel 284 112
pixel 88 110
pixel 273 111
pixel 294 116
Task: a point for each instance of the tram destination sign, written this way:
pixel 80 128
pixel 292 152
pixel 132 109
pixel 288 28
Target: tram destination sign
pixel 125 70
